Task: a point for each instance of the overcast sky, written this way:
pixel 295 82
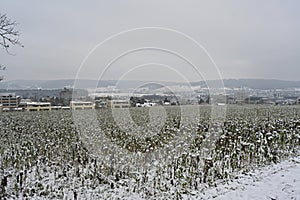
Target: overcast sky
pixel 246 39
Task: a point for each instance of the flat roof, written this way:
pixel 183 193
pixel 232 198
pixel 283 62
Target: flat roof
pixel 38 103
pixel 7 94
pixel 81 102
pixel 119 100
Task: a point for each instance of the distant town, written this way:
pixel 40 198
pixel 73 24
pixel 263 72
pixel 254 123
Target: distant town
pixel 69 98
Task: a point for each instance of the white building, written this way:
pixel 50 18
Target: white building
pixel 118 104
pixel 9 101
pixel 81 105
pixel 38 106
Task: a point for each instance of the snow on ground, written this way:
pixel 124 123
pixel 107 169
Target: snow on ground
pixel 278 181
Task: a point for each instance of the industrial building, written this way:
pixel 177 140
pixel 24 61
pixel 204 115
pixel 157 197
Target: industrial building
pixel 81 105
pixel 68 94
pixel 9 101
pixel 118 104
pixel 38 106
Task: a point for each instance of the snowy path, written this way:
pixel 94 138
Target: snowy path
pixel 280 181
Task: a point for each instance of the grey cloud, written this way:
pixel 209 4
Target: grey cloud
pixel 247 39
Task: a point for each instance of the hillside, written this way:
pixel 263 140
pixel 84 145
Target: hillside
pixel 230 83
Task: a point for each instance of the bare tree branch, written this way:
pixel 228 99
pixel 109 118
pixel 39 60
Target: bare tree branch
pixel 9 36
pixel 8 33
pixel 2 68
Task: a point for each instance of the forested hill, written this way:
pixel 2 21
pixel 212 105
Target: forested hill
pixel 230 83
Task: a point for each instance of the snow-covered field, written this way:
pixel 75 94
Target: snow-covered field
pixel 275 182
pixel 254 154
pixel 278 181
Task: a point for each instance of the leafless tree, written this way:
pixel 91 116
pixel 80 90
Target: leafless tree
pixel 8 33
pixel 1 68
pixel 9 36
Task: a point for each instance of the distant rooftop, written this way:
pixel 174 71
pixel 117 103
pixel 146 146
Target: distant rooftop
pixel 5 94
